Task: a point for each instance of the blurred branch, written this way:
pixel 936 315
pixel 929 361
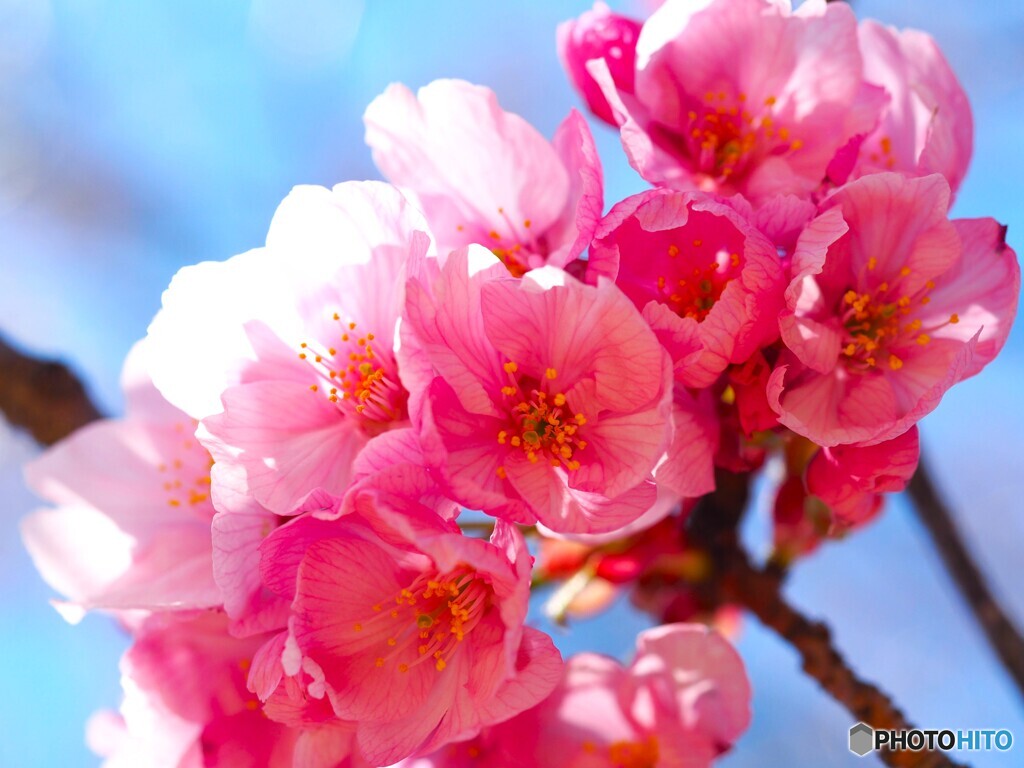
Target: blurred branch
pixel 43 397
pixel 938 520
pixel 735 580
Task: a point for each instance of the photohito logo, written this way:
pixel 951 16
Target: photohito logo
pixel 865 739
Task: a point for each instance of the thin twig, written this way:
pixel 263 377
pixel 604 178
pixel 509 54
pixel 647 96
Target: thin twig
pixel 43 397
pixel 1004 637
pixel 759 592
pixel 736 581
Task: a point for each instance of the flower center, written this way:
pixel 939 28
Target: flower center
pixel 630 754
pixel 359 378
pixel 541 423
pixel 723 132
pixel 878 324
pixel 513 244
pixel 429 619
pixel 692 290
pixel 881 154
pixel 184 483
pixel 510 254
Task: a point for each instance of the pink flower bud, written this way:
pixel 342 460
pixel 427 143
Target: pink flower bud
pixel 599 34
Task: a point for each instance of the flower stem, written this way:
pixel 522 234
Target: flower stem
pixel 937 519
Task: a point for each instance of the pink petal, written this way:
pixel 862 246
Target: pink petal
pixel 687 50
pixel 288 440
pixel 815 344
pixel 782 219
pixel 316 230
pixel 469 163
pixel 927 127
pixel 538 668
pixel 78 551
pixel 809 254
pixel 572 233
pixel 329 747
pixel 201 327
pixel 282 551
pixel 578 330
pixel 567 510
pixel 174 571
pixel 681 338
pixel 622 450
pixel 688 468
pixel 384 742
pixel 648 159
pixel 981 289
pixel 266 671
pixel 447 326
pixel 464 445
pixel 123 467
pixel 833 408
pixel 711 690
pixel 843 476
pixel 899 222
pixel 339 583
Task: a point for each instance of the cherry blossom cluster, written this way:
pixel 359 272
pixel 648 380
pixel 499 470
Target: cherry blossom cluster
pixel 276 519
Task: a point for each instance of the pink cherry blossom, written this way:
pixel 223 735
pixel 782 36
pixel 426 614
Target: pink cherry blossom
pixel 186 706
pixel 683 701
pixel 287 352
pixel 599 34
pixel 890 305
pixel 392 463
pixel 742 95
pixel 413 632
pixel 927 125
pixel 850 478
pixel 483 175
pixel 709 284
pixel 132 525
pixel 545 399
pixel 391 466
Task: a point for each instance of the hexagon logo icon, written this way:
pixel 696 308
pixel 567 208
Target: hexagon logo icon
pixel 862 739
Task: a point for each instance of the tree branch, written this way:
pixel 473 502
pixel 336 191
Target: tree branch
pixel 736 581
pixel 759 592
pixel 43 397
pixel 1003 636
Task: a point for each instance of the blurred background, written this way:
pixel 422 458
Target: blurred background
pixel 139 137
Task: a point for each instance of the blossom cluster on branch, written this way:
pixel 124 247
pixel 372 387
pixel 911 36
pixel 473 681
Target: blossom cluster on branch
pixel 276 517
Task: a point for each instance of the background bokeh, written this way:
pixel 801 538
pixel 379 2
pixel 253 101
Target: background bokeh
pixel 138 137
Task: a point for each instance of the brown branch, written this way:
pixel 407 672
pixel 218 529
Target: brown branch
pixel 1003 636
pixel 736 581
pixel 43 397
pixel 759 592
